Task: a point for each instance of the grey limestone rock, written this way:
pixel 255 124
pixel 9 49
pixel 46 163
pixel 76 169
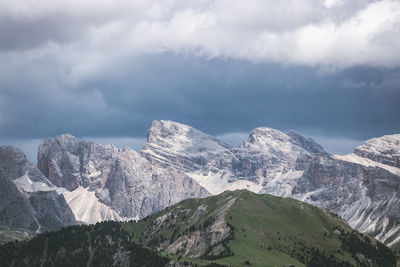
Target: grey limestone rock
pixel 51 210
pixel 15 209
pixel 385 149
pixel 25 210
pixel 121 179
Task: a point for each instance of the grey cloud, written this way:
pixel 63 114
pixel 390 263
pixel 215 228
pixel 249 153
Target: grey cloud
pixel 302 32
pixel 217 96
pixel 20 34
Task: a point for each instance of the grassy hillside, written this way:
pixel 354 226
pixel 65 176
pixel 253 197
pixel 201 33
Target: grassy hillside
pixel 265 231
pixel 237 228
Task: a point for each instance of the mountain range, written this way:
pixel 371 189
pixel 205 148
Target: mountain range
pixel 77 181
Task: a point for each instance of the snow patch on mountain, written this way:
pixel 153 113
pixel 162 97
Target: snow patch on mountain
pixel 24 183
pixel 367 162
pixel 385 149
pixel 84 204
pixel 87 208
pixel 272 141
pixel 283 184
pixel 216 183
pixel 182 138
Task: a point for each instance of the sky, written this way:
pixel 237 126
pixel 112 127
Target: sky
pixel 104 70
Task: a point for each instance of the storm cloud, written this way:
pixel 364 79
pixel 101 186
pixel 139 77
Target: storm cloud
pixel 106 69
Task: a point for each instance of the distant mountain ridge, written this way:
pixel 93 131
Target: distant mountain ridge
pixel 102 182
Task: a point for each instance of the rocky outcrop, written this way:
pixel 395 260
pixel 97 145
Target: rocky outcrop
pixel 197 243
pixel 15 164
pixel 69 163
pixel 15 209
pixel 180 146
pixel 121 179
pixel 385 149
pixel 51 210
pixel 23 209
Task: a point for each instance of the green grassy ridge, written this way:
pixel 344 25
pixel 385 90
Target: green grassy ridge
pixel 265 231
pixel 270 231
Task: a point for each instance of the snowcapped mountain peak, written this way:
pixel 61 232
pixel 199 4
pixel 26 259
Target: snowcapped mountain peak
pixel 181 138
pixel 385 149
pixel 272 141
pixel 263 135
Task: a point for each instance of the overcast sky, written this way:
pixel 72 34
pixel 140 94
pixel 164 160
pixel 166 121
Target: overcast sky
pixel 104 69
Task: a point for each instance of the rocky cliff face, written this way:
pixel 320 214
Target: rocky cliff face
pixel 16 213
pixel 15 165
pixel 267 154
pixel 385 149
pixel 23 209
pixel 120 179
pixel 362 187
pixel 180 146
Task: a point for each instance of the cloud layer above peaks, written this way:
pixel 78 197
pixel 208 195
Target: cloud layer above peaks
pixel 107 68
pixel 331 33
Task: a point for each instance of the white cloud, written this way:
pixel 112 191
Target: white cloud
pixel 333 3
pixel 329 34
